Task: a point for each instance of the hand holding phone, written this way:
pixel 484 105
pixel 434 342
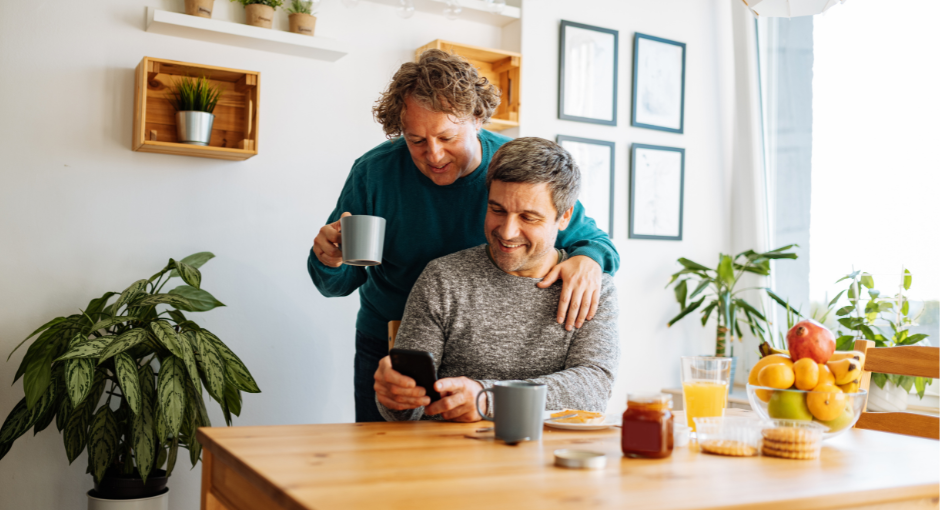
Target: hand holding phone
pixel 418 365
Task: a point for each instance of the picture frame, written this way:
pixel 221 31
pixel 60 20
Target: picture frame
pixel 595 159
pixel 657 187
pixel 587 73
pixel 658 84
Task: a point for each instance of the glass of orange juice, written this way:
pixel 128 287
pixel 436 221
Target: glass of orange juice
pixel 705 381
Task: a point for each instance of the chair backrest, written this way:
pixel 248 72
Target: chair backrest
pixel 392 333
pixel 913 360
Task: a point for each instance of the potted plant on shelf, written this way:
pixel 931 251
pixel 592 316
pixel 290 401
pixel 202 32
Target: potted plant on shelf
pixel 887 321
pixel 201 8
pixel 719 287
pixel 302 17
pixel 194 101
pixel 152 365
pixel 260 13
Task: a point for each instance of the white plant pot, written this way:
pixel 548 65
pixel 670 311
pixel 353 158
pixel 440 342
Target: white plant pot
pixel 891 398
pixel 158 502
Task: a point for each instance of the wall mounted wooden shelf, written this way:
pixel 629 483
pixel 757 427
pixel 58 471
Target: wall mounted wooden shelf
pixel 244 36
pixel 235 130
pixel 501 68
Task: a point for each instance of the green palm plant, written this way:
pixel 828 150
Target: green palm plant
pixel 719 287
pixel 194 95
pixel 112 349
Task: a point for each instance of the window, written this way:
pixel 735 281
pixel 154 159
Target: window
pixel 851 121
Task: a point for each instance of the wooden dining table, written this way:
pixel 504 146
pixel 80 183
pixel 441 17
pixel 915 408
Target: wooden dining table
pixel 452 466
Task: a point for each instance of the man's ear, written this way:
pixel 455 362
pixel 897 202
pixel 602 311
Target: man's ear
pixel 565 218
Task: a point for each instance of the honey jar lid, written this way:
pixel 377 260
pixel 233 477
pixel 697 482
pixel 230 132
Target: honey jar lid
pixel 657 399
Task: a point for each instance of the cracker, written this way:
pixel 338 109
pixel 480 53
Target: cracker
pixel 728 447
pixel 791 435
pixel 790 447
pixel 807 455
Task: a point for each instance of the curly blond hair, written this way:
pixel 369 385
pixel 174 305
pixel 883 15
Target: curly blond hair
pixel 440 82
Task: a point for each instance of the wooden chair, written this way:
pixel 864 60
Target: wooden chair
pixel 392 333
pixel 910 360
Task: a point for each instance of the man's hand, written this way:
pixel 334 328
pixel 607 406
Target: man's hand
pixel 326 244
pixel 458 400
pixel 396 391
pixel 580 289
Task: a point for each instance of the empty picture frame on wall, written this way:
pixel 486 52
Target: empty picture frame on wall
pixel 657 175
pixel 587 74
pixel 595 159
pixel 658 83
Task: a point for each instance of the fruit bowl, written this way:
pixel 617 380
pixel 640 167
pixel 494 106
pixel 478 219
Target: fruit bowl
pixel 771 403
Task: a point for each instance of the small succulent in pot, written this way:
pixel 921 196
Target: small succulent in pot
pixel 194 101
pixel 303 16
pixel 260 13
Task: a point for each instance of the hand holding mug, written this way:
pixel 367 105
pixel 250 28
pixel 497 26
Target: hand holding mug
pixel 326 244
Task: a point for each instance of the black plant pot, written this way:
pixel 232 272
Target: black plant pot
pixel 120 486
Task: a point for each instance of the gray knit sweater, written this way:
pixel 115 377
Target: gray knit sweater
pixel 485 324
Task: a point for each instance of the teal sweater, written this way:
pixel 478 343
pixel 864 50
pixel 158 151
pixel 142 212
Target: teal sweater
pixel 424 222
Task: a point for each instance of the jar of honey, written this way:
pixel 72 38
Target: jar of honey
pixel 647 426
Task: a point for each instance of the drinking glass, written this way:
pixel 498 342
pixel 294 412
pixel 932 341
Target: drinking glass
pixel 705 381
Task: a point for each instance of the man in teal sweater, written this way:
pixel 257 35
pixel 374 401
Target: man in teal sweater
pixel 429 183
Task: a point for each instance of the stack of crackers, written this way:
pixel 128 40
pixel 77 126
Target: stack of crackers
pixel 791 443
pixel 728 447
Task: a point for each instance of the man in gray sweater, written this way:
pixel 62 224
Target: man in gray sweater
pixel 480 314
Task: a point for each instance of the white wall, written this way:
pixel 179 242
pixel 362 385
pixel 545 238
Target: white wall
pixel 650 351
pixel 80 213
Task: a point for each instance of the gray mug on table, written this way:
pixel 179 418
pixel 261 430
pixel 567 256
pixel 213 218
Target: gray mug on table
pixel 518 410
pixel 363 238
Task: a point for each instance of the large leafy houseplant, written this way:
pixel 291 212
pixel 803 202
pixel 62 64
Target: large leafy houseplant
pixel 112 349
pixel 718 286
pixel 885 320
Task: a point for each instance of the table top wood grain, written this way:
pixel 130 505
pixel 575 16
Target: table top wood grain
pixel 417 465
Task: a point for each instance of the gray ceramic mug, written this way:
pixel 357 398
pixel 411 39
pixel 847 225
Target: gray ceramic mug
pixel 363 238
pixel 518 410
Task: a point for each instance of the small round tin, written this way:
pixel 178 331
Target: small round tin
pixel 580 459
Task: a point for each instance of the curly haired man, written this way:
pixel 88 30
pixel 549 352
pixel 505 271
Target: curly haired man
pixel 429 182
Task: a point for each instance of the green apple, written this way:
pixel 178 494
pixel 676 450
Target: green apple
pixel 789 405
pixel 843 421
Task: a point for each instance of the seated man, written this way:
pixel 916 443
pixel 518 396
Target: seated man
pixel 481 315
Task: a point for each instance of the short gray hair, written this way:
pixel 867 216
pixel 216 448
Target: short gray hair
pixel 534 161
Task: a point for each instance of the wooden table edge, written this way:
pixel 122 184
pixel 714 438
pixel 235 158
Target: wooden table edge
pixel 218 452
pixel 858 499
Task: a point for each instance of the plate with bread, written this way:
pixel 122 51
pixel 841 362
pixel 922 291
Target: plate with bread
pixel 573 419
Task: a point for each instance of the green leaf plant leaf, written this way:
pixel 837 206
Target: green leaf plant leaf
pixel 102 441
pixel 167 336
pixel 196 260
pixel 198 300
pixel 212 367
pixel 171 393
pixel 189 274
pixel 233 365
pixel 687 310
pixel 726 271
pixel 145 442
pixel 79 374
pixel 130 293
pixel 123 342
pixel 127 376
pixel 681 291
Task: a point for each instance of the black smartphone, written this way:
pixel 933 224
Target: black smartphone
pixel 418 365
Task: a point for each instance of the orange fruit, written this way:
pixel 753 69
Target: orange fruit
pixel 776 375
pixel 826 402
pixel 806 374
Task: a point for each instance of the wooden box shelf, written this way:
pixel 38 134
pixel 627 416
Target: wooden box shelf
pixel 502 68
pixel 235 130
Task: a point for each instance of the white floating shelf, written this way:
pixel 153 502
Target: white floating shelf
pixel 244 36
pixel 473 10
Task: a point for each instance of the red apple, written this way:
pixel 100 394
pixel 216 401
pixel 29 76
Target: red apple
pixel 810 339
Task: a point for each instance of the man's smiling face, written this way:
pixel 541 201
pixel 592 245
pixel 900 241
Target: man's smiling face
pixel 442 149
pixel 521 227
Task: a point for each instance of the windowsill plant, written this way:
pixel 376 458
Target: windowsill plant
pixel 112 349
